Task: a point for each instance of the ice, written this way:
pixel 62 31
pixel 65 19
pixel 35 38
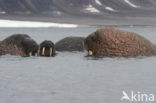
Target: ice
pixel 33 24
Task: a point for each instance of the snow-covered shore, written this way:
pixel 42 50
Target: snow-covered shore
pixel 32 24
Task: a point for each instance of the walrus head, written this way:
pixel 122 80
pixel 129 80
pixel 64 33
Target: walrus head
pixel 88 44
pixel 47 49
pixel 30 47
pixel 19 44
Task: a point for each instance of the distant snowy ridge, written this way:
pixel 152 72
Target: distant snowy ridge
pixel 110 9
pixel 131 4
pixel 92 9
pixel 98 2
pixel 77 8
pixel 32 24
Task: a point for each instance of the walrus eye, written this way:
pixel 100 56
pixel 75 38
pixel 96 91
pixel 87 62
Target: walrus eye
pixel 43 51
pixel 51 51
pixel 30 53
pixel 90 52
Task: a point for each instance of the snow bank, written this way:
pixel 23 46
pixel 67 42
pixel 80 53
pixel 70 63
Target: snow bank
pixel 32 24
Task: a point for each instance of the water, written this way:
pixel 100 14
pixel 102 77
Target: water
pixel 21 24
pixel 72 77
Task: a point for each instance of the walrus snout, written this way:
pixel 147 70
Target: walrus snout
pixel 88 45
pixel 47 49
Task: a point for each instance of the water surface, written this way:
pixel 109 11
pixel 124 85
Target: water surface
pixel 72 77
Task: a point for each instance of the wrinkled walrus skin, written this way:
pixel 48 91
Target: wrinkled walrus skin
pixel 19 44
pixel 113 42
pixel 70 44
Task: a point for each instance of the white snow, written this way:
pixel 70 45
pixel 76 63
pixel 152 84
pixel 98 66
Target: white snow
pixel 92 9
pixel 32 24
pixel 110 9
pixel 131 4
pixel 2 12
pixel 98 2
pixel 58 13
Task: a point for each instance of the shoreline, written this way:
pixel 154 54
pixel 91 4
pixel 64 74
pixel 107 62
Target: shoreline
pixel 89 22
pixel 32 24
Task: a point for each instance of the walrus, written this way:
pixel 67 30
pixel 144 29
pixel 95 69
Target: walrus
pixel 70 44
pixel 19 44
pixel 113 42
pixel 47 49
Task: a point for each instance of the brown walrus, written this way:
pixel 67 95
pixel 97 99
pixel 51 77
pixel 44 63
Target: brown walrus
pixel 70 44
pixel 114 42
pixel 47 48
pixel 19 44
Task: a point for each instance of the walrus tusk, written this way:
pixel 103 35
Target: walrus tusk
pixel 30 53
pixel 90 52
pixel 36 54
pixel 51 51
pixel 43 51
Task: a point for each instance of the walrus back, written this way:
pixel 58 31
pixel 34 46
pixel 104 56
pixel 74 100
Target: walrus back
pixel 115 42
pixel 70 44
pixel 12 45
pixel 14 39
